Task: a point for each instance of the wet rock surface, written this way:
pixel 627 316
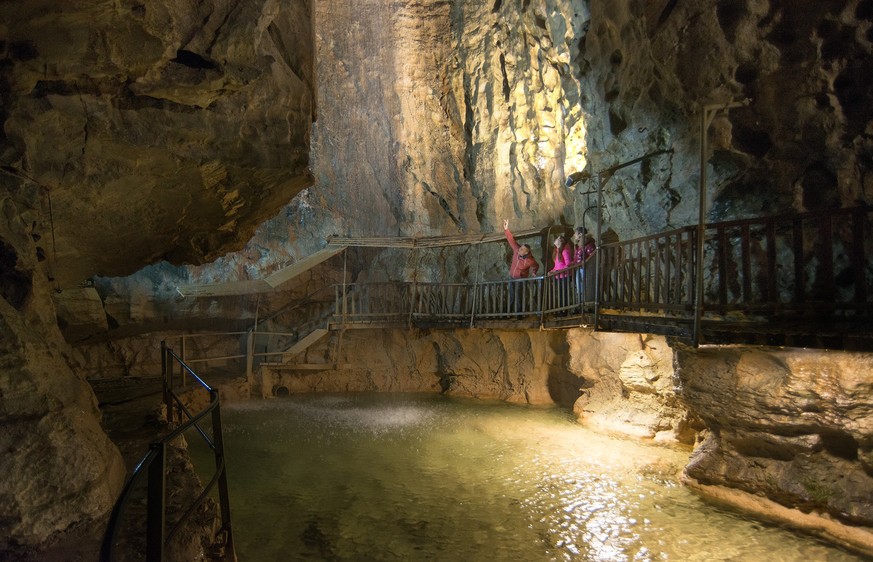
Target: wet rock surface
pixel 792 426
pixel 629 386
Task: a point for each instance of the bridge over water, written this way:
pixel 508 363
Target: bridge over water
pixel 800 280
pixel 795 279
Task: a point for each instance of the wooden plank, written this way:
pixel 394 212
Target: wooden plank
pixel 288 273
pixel 304 343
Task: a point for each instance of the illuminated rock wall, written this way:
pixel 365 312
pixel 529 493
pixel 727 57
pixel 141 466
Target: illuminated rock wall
pixel 794 426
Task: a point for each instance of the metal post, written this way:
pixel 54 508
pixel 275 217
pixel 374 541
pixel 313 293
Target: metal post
pixel 250 355
pixel 706 116
pixel 701 229
pixel 155 506
pixel 223 495
pixel 182 373
pixel 598 274
pixel 166 381
pixel 344 305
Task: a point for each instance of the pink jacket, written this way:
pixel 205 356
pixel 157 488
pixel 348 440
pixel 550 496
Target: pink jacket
pixel 563 259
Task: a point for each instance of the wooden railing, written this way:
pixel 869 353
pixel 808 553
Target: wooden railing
pixel 808 264
pixel 802 262
pixel 653 273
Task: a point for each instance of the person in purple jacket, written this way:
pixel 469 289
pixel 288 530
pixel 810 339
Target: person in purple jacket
pixel 585 248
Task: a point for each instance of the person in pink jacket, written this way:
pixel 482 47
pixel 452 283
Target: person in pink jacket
pixel 563 255
pixel 523 265
pixel 563 259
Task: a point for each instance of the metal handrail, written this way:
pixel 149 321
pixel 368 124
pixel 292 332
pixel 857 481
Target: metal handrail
pixel 154 464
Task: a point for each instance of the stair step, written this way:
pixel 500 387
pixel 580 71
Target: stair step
pixel 306 366
pixel 301 345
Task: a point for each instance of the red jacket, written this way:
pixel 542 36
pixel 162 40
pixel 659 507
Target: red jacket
pixel 520 268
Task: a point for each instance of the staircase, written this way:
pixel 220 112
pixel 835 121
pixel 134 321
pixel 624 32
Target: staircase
pixel 301 345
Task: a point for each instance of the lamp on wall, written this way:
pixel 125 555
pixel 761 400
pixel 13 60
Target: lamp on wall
pixel 576 177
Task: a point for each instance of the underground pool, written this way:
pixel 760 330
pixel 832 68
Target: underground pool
pixel 429 477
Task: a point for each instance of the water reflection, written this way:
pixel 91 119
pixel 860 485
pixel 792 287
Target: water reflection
pixel 369 477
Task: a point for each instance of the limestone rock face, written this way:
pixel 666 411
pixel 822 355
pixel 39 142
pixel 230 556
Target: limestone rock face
pixel 445 118
pixel 795 426
pixel 650 67
pixel 629 385
pixel 59 468
pixel 80 313
pixel 516 366
pixel 153 130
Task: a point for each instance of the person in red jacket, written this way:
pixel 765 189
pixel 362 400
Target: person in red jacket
pixel 522 260
pixel 523 264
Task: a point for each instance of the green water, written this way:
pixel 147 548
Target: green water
pixel 412 477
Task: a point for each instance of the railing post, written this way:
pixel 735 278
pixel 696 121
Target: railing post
pixel 167 378
pixel 223 494
pixel 413 293
pixel 250 354
pixel 155 506
pixel 345 290
pixel 184 359
pixel 598 262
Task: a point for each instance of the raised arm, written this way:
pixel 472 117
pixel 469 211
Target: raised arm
pixel 509 237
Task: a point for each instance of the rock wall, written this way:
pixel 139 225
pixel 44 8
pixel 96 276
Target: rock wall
pixel 440 118
pixel 630 387
pixel 153 130
pixel 131 132
pixel 59 469
pixel 794 426
pixel 621 383
pixel 516 366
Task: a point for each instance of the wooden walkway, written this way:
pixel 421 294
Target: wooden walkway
pixel 797 279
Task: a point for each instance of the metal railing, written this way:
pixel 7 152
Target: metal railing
pixel 153 468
